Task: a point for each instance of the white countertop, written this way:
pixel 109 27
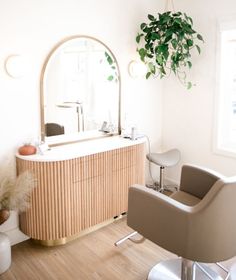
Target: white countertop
pixel 83 148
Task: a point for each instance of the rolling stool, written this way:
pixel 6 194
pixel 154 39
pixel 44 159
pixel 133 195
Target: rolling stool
pixel 5 252
pixel 166 159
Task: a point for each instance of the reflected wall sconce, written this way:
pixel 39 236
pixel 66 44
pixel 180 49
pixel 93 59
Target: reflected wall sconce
pixel 15 66
pixel 137 69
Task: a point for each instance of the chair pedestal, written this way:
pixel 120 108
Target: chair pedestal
pixel 166 159
pixel 181 269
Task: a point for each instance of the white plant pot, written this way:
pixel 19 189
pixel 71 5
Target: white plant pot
pixel 5 252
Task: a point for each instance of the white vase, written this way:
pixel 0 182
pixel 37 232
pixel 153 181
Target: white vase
pixel 5 252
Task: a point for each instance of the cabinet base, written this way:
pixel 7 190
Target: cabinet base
pixel 64 240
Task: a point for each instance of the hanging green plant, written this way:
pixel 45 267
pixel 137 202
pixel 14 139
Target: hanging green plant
pixel 167 41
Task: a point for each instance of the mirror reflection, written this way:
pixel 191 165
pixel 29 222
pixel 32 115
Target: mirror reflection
pixel 80 91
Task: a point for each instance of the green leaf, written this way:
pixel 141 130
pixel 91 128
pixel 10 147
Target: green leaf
pixel 147 29
pixel 189 85
pixel 186 46
pixel 190 19
pixel 138 37
pixel 109 59
pixel 149 55
pixel 169 38
pixel 188 29
pixel 162 72
pixel 169 32
pixel 155 36
pixel 173 68
pixel 143 25
pixel 148 75
pixel 166 54
pixel 110 78
pixel 189 64
pixel 151 17
pixel 163 48
pixel 166 18
pixel 174 43
pixel 148 46
pixel 178 20
pixel 159 59
pixel 142 52
pixel 198 49
pixel 189 42
pixel 177 14
pixel 200 37
pixel 152 67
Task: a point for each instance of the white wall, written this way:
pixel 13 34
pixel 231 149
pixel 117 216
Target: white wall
pixel 188 116
pixel 183 118
pixel 31 28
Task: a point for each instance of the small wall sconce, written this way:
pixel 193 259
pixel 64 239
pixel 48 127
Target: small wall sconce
pixel 137 69
pixel 15 66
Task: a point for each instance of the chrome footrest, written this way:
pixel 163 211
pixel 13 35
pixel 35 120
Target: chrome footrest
pixel 129 236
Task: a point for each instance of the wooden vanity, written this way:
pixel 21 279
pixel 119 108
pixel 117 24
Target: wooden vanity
pixel 80 186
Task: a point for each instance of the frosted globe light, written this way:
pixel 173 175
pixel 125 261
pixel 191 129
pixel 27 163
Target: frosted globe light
pixel 15 66
pixel 137 69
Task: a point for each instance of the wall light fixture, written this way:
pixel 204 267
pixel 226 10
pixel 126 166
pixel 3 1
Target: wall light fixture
pixel 15 66
pixel 137 69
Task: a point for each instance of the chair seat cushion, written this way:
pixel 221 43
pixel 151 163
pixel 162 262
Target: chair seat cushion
pixel 169 158
pixel 185 198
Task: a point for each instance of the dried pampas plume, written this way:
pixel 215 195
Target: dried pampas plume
pixel 15 193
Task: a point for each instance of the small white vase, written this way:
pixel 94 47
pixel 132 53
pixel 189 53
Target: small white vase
pixel 5 252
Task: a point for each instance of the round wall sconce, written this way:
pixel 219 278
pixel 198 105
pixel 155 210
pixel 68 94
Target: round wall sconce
pixel 137 69
pixel 15 66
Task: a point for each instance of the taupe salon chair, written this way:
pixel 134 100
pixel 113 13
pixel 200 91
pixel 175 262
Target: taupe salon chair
pixel 52 129
pixel 163 160
pixel 197 223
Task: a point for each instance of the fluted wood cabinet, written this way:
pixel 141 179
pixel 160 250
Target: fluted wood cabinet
pixel 76 194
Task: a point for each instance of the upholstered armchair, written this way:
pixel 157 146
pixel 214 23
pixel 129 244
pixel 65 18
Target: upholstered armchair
pixel 52 129
pixel 197 223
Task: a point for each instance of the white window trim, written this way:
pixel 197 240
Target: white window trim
pixel 221 26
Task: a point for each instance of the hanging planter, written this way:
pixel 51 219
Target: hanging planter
pixel 166 45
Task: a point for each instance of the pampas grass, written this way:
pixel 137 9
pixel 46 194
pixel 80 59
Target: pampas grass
pixel 15 193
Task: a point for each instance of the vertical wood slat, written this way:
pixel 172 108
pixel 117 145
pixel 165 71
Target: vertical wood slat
pixel 73 195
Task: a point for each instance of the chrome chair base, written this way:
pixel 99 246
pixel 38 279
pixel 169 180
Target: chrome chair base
pixel 165 188
pixel 177 269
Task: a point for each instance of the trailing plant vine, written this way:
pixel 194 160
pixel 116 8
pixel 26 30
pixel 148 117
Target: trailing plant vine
pixel 111 62
pixel 167 42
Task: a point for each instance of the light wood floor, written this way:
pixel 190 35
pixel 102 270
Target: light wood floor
pixel 92 257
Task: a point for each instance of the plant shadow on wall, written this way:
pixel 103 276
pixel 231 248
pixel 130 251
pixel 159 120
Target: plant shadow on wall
pixel 167 42
pixel 15 193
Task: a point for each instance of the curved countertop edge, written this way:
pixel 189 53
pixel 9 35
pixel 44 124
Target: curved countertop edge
pixel 81 149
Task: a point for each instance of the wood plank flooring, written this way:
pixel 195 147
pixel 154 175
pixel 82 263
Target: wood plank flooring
pixel 92 257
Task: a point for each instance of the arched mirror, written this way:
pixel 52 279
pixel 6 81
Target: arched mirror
pixel 80 91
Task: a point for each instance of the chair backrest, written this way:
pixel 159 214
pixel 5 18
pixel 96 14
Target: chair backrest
pixel 52 129
pixel 212 224
pixel 197 180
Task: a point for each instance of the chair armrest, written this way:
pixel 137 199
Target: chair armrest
pixel 197 181
pixel 204 232
pixel 158 218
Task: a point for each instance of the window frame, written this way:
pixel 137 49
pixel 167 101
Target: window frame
pixel 218 148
